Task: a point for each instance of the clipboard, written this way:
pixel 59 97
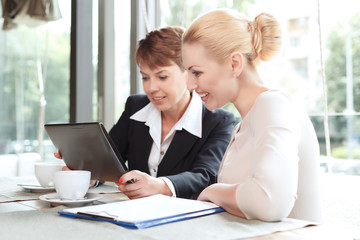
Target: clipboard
pixel 144 212
pixel 88 146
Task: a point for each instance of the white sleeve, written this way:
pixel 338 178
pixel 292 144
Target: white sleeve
pixel 271 192
pixel 170 185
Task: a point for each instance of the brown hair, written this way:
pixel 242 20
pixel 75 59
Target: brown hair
pixel 224 31
pixel 160 47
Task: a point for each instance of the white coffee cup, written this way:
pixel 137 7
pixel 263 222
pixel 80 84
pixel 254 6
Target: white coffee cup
pixel 72 185
pixel 44 172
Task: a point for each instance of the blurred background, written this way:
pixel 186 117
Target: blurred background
pixel 79 66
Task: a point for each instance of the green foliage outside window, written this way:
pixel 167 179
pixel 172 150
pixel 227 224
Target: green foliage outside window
pixel 335 66
pixel 21 49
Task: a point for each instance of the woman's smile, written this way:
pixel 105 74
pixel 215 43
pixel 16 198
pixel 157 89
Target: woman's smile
pixel 158 99
pixel 203 95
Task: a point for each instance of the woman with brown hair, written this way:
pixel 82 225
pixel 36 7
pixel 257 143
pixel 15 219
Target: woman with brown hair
pixel 172 144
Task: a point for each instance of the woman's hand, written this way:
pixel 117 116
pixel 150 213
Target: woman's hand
pixel 144 185
pixel 65 168
pixel 58 155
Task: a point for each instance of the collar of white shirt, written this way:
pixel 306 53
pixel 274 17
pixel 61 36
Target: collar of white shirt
pixel 191 120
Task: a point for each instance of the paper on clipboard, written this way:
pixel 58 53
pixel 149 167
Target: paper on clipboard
pixel 144 212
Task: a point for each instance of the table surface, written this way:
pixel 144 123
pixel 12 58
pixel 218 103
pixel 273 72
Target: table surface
pixel 29 206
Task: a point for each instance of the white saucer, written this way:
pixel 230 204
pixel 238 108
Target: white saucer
pixel 54 200
pixel 37 188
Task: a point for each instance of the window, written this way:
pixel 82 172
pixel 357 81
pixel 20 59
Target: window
pixel 34 82
pixel 300 66
pixel 28 51
pixel 295 42
pixel 31 54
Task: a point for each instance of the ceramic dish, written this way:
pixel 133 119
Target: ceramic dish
pixel 55 200
pixel 37 188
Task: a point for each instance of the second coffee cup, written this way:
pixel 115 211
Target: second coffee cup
pixel 44 172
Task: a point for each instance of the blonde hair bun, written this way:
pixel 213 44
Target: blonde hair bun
pixel 224 31
pixel 266 38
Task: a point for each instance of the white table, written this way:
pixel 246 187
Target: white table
pixel 24 216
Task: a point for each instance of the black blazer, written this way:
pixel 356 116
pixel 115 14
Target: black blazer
pixel 191 163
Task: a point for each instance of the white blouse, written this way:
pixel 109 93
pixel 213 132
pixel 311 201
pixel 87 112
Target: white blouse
pixel 274 157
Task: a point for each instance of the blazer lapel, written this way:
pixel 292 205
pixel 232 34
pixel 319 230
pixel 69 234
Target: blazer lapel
pixel 181 144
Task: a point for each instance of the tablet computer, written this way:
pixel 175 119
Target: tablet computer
pixel 88 146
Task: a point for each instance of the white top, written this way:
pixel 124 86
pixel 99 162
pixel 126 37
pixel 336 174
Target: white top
pixel 274 157
pixel 191 121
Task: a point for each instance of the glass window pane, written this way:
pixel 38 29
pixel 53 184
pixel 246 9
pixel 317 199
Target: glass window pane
pixel 300 63
pixel 34 82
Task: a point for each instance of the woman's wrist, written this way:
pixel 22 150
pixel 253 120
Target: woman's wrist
pixel 165 190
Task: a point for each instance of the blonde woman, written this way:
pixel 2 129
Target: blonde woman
pixel 270 168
